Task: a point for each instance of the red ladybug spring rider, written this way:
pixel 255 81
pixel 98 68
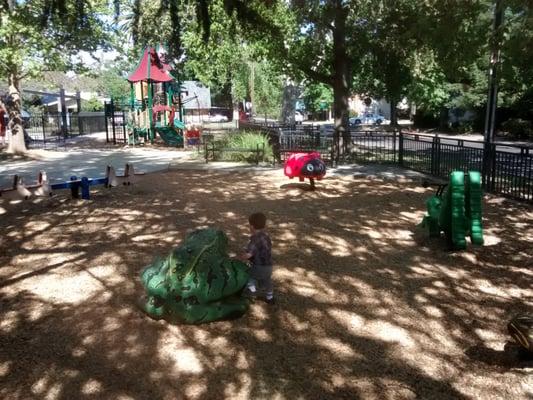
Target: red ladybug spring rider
pixel 305 165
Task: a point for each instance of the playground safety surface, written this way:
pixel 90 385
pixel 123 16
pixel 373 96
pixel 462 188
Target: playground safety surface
pixel 367 306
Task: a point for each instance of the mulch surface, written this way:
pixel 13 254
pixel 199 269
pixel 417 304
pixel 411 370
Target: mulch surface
pixel 367 306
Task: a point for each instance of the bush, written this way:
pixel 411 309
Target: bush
pixel 518 128
pixel 463 127
pixel 424 120
pixel 246 141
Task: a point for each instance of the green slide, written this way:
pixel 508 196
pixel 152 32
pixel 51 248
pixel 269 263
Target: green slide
pixel 197 282
pixel 458 212
pixel 170 136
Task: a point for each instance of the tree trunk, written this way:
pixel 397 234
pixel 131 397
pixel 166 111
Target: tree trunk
pixel 13 106
pixel 341 83
pixel 288 108
pixel 443 119
pixel 393 112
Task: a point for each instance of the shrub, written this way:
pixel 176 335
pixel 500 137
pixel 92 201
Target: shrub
pixel 463 127
pixel 246 141
pixel 518 128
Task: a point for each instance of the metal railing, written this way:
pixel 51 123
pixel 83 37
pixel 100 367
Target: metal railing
pixel 53 129
pixel 509 171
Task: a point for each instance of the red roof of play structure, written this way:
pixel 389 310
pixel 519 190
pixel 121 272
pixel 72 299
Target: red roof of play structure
pixel 158 70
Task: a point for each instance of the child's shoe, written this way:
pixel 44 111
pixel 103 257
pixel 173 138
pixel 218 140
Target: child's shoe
pixel 270 301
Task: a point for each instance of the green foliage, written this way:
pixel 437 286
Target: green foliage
pixel 92 104
pixel 112 83
pixel 49 36
pixel 518 128
pixel 41 35
pixel 268 90
pixel 243 145
pixel 317 97
pixel 463 127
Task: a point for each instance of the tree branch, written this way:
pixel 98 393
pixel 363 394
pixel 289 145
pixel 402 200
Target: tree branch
pixel 316 76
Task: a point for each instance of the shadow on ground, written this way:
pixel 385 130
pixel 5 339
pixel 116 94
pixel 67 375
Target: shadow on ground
pixel 364 310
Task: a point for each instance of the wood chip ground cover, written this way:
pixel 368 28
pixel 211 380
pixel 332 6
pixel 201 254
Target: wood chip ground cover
pixel 368 307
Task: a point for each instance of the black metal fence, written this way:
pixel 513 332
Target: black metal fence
pixel 509 170
pixel 54 129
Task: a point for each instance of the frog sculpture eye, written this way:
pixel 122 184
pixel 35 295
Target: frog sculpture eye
pixel 202 287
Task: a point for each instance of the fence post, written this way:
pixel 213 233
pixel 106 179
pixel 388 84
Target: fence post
pixel 43 119
pixel 394 145
pixel 400 149
pixel 435 156
pixel 106 113
pixel 124 127
pixel 492 158
pixel 113 121
pixel 257 154
pixel 63 104
pixel 78 106
pixel 488 167
pixel 205 152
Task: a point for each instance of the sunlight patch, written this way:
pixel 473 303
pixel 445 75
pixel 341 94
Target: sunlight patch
pixel 52 287
pixel 262 335
pixel 184 360
pixel 336 347
pixel 240 391
pixel 486 335
pixel 39 386
pixel 142 238
pixel 390 333
pixel 5 367
pixel 9 321
pixel 92 386
pixel 490 240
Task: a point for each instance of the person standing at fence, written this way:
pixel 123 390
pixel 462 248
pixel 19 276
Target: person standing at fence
pixel 3 124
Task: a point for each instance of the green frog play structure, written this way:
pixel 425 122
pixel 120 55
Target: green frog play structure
pixel 457 212
pixel 197 282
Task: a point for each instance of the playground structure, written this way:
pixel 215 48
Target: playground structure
pixel 44 189
pixel 154 98
pixel 305 166
pixel 456 211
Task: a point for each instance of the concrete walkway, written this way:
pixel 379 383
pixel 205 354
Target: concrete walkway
pixel 61 165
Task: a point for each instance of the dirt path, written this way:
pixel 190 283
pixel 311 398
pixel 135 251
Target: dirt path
pixel 367 306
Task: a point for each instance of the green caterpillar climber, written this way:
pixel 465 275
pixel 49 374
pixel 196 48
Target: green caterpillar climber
pixel 457 211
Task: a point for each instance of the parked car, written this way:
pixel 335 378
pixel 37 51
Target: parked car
pixel 367 119
pixel 217 118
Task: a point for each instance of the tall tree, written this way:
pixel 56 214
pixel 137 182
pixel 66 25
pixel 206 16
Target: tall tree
pixel 43 35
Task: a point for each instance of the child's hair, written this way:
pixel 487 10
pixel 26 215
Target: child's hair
pixel 257 220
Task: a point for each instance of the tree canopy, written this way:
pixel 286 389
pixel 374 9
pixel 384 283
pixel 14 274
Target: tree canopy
pixel 43 35
pixel 435 53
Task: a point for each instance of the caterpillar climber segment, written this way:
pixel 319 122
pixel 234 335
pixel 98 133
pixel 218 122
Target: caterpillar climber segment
pixel 474 211
pixel 521 330
pixel 456 210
